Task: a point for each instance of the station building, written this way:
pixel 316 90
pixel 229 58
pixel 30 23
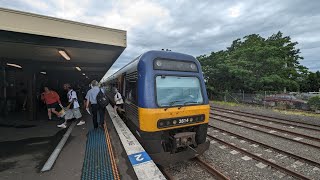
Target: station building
pixel 38 51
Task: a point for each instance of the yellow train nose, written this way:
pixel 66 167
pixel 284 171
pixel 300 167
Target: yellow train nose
pixel 148 118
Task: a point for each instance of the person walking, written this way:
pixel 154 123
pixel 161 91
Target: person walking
pixel 73 109
pixel 52 100
pixel 118 101
pixel 96 109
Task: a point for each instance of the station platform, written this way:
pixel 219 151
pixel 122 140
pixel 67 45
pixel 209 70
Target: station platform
pixel 26 146
pixel 87 154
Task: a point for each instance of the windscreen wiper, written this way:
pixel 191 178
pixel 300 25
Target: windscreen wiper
pixel 172 103
pixel 188 102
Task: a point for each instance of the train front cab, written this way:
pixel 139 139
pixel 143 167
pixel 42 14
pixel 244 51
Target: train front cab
pixel 167 106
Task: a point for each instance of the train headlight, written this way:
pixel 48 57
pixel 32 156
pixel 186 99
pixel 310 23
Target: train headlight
pixel 162 123
pixel 193 66
pixel 159 63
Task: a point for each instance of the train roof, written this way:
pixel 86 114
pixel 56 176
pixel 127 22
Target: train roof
pixel 152 55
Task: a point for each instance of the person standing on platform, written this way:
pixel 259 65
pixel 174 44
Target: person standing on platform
pixel 52 100
pixel 73 109
pixel 118 101
pixel 96 109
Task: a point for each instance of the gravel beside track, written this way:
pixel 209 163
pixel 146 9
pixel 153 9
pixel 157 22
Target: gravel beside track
pixel 281 159
pixel 188 170
pixel 248 146
pixel 211 169
pixel 274 133
pixel 284 122
pixel 272 113
pixel 237 166
pixel 312 133
pixel 283 144
pixel 266 146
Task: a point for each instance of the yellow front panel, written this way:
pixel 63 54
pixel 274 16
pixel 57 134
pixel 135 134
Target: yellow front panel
pixel 148 118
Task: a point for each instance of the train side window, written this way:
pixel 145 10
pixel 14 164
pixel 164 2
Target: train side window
pixel 131 92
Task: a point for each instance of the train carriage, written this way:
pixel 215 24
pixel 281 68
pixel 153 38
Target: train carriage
pixel 165 104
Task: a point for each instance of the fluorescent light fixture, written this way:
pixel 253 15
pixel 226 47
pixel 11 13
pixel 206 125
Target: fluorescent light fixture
pixel 83 74
pixel 14 65
pixel 64 54
pixel 43 72
pixel 78 68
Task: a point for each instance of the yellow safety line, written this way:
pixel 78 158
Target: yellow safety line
pixel 113 162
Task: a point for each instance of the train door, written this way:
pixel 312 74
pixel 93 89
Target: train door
pixel 131 100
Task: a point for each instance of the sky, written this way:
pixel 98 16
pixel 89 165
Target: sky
pixel 191 27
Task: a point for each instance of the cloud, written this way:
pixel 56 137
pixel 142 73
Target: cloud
pixel 37 4
pixel 192 27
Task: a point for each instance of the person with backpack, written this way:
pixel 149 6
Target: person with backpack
pixel 98 100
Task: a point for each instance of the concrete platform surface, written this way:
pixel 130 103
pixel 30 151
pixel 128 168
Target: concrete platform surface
pixel 24 151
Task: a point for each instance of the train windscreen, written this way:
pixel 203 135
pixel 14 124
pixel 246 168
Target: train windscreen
pixel 175 91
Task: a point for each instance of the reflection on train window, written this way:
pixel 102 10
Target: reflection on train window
pixel 175 90
pixel 131 94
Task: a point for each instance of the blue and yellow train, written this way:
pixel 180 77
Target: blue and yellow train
pixel 165 104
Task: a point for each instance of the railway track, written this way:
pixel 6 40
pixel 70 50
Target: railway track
pixel 208 167
pixel 279 136
pixel 218 175
pixel 270 127
pixel 166 174
pixel 270 119
pixel 258 158
pixel 309 161
pixel 212 170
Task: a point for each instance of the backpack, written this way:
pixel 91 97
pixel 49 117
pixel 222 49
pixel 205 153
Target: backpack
pixel 102 99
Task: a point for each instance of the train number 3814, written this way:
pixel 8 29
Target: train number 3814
pixel 185 120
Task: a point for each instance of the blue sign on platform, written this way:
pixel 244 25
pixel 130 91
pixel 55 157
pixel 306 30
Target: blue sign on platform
pixel 138 158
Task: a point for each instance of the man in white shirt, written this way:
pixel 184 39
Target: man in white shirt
pixel 73 107
pixel 91 98
pixel 118 101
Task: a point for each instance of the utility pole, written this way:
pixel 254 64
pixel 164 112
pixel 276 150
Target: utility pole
pixel 285 88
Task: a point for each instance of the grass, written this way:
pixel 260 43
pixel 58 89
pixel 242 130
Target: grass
pixel 226 103
pixel 297 112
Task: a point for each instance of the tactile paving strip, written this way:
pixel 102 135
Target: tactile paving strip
pixel 97 163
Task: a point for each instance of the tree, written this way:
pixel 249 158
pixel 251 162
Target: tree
pixel 311 83
pixel 314 103
pixel 255 64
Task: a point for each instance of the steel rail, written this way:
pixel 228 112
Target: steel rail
pixel 258 158
pixel 256 116
pixel 212 170
pixel 309 161
pixel 165 173
pixel 265 116
pixel 301 142
pixel 272 128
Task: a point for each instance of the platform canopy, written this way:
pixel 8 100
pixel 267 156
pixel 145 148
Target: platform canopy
pixel 57 46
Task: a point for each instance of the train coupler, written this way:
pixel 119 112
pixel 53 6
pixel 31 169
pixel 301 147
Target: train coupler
pixel 184 139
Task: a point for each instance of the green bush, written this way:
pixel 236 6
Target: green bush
pixel 314 103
